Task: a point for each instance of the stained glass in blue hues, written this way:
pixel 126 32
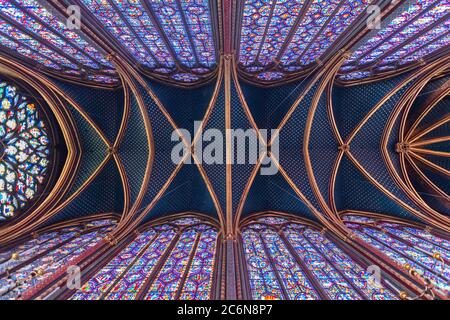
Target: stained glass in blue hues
pixel 281 264
pixel 35 9
pixel 409 246
pixel 24 150
pixel 186 221
pixel 185 77
pixel 414 33
pixel 139 271
pixel 199 279
pixel 183 261
pixel 113 22
pixel 162 35
pixel 427 50
pixel 44 38
pixel 273 220
pixel 315 18
pixel 357 276
pixel 37 259
pixel 347 14
pixel 37 28
pixel 293 278
pixel 264 284
pixel 355 75
pixel 136 15
pixel 401 20
pixel 171 19
pixel 255 18
pixel 429 37
pixel 394 42
pixel 99 285
pixel 284 15
pixel 270 76
pixel 31 48
pixel 198 19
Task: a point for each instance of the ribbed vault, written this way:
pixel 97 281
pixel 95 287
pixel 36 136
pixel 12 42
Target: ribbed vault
pixel 354 136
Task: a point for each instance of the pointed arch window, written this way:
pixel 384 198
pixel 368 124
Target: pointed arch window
pixel 285 37
pixel 291 260
pixel 175 260
pixel 414 32
pixel 409 246
pixel 24 266
pixel 31 29
pixel 171 38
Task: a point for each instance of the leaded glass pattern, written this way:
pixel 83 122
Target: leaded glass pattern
pixel 199 280
pixel 26 265
pixel 24 150
pixel 263 281
pixel 161 35
pixel 417 31
pixel 175 260
pixel 32 30
pixel 280 37
pixel 288 260
pixel 424 252
pixel 288 36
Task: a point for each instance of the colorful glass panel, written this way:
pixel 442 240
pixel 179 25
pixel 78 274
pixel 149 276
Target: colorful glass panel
pixel 34 8
pixel 137 17
pixel 284 15
pixel 264 284
pixel 415 32
pixel 106 277
pixel 294 280
pixel 162 34
pixel 133 280
pixel 358 277
pixel 24 150
pixel 342 20
pixel 36 28
pixel 115 24
pixel 60 253
pixel 198 19
pixel 402 20
pixel 283 263
pixel 199 279
pixel 403 253
pixel 138 271
pixel 335 286
pixel 317 15
pixel 169 278
pixel 31 48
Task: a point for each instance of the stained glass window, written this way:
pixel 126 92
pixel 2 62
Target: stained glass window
pixel 414 33
pixel 169 261
pixel 26 265
pixel 162 34
pixel 288 36
pixel 279 37
pixel 288 260
pixel 408 246
pixel 38 33
pixel 24 150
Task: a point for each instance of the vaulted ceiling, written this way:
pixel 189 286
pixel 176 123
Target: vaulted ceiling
pixel 362 110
